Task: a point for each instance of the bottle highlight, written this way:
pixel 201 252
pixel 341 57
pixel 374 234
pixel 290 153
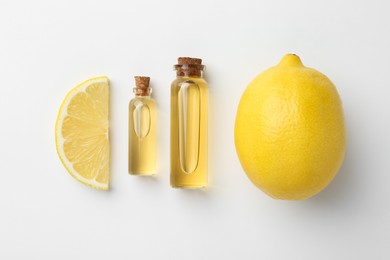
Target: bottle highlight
pixel 142 129
pixel 189 97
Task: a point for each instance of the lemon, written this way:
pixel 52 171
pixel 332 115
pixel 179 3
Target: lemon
pixel 289 131
pixel 82 133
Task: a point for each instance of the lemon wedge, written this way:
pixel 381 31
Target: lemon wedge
pixel 82 133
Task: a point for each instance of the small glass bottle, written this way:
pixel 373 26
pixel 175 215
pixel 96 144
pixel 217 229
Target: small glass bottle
pixel 189 92
pixel 142 129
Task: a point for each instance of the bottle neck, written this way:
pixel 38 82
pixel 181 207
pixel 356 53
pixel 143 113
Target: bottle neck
pixel 139 96
pixel 189 70
pixel 142 92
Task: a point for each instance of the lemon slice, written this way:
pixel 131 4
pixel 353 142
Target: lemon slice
pixel 82 133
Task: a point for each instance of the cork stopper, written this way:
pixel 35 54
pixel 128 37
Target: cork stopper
pixel 189 67
pixel 142 85
pixel 188 60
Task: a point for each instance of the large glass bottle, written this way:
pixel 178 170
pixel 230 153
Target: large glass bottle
pixel 189 93
pixel 142 129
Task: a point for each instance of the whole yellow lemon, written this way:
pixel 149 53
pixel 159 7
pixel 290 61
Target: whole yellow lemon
pixel 289 131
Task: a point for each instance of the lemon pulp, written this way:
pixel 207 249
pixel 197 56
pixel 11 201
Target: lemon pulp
pixel 82 133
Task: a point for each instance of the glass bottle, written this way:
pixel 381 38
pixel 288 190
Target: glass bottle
pixel 189 92
pixel 142 129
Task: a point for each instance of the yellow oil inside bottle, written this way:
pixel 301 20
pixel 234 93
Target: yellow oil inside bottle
pixel 142 136
pixel 189 132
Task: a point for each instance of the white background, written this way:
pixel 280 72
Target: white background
pixel 48 47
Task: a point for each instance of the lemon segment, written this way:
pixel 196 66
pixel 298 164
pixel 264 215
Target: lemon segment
pixel 82 133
